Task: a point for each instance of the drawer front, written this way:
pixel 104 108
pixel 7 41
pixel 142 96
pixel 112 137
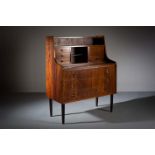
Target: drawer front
pixel 62 49
pixel 87 83
pixel 62 55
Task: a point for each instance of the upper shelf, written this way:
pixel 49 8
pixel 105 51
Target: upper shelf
pixel 74 41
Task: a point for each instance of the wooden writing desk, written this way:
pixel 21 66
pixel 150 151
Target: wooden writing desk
pixel 78 68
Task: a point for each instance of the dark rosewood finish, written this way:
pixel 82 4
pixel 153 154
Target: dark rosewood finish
pixel 78 68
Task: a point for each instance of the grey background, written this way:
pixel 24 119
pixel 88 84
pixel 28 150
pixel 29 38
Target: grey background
pixel 22 55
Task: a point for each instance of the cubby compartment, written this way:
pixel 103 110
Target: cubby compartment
pixel 79 55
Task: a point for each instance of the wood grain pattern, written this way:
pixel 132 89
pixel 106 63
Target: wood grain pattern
pixel 49 66
pixel 96 53
pixel 67 82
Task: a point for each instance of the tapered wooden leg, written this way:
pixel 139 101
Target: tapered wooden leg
pixel 111 103
pixel 96 101
pixel 51 107
pixel 63 113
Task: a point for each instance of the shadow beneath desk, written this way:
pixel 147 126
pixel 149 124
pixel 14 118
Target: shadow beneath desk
pixel 142 109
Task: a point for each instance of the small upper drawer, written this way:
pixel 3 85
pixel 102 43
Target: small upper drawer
pixel 62 55
pixel 62 49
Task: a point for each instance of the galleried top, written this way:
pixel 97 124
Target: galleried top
pixel 79 51
pixel 72 41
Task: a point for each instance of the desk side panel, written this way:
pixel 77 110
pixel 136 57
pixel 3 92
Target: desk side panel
pixel 50 67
